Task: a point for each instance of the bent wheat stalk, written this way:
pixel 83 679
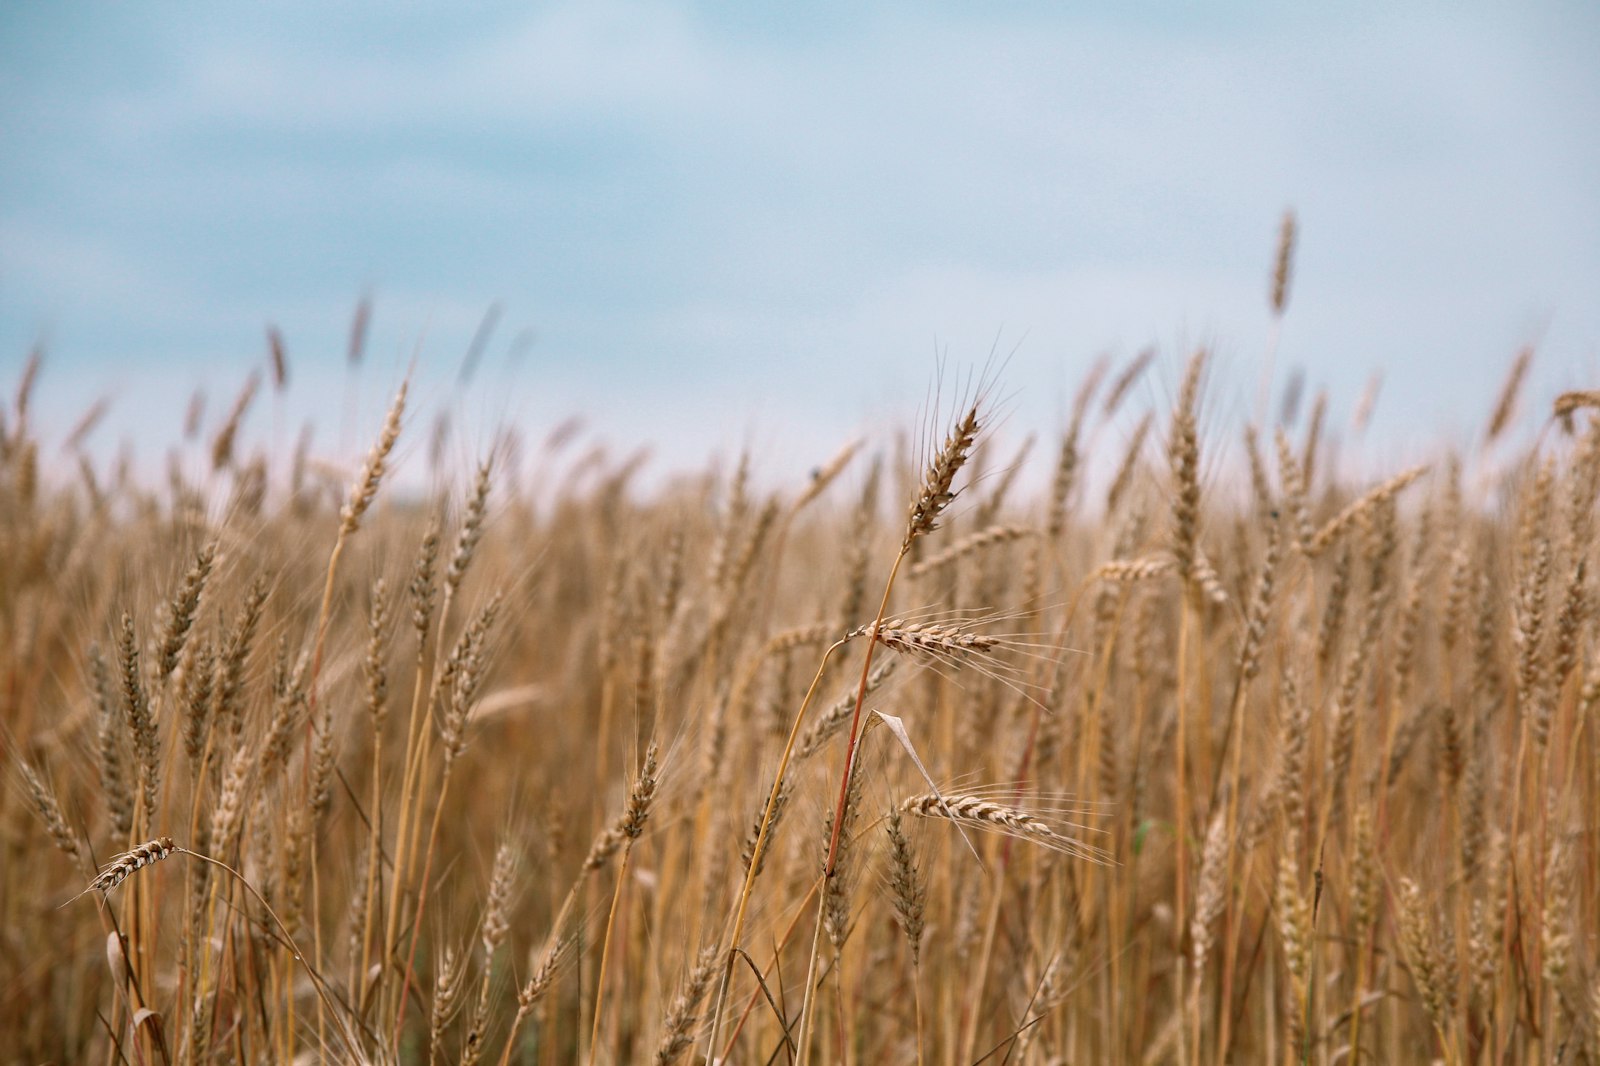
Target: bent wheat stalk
pixel 762 833
pixel 936 494
pixel 125 865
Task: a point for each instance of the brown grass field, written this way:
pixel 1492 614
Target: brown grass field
pixel 1187 761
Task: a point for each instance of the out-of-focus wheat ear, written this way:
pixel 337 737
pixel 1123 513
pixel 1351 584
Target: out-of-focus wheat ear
pixel 1294 736
pixel 355 924
pixel 1589 691
pixel 749 550
pixel 1505 404
pixel 27 475
pixel 1366 404
pixel 1556 930
pixel 1583 485
pixel 195 698
pixel 837 715
pixel 236 646
pixel 359 321
pixel 1569 402
pixel 908 886
pixel 614 606
pixel 839 882
pixel 471 528
pixel 322 760
pixel 424 595
pixel 1260 611
pixel 497 906
pixel 733 515
pixel 669 589
pixel 549 964
pixel 1405 637
pixel 141 722
pixel 300 500
pixel 678 1026
pixel 1210 890
pixel 374 668
pixel 1533 524
pixel 1474 825
pixel 180 615
pixel 290 703
pixel 477 1027
pixel 1452 746
pixel 972 542
pixel 781 643
pixel 1333 609
pixel 1084 397
pixel 193 414
pixel 114 784
pixel 1405 735
pixel 1594 1019
pixel 825 475
pixel 1291 475
pixel 91 483
pixel 463 674
pixel 1527 632
pixel 1453 613
pixel 1311 451
pixel 1295 932
pixel 747 849
pixel 1133 571
pixel 1570 620
pixel 1183 456
pixel 249 493
pixel 277 358
pixel 1208 581
pixel 1364 884
pixel 365 487
pixel 1360 507
pixel 987 513
pixel 713 858
pixel 1126 378
pixel 863 521
pixel 1065 478
pixel 1483 955
pixel 1260 484
pixel 447 984
pixel 1129 465
pixel 231 800
pixel 49 809
pixel 937 489
pixel 30 376
pixel 438 440
pixel 1347 696
pixel 1421 948
pixel 222 444
pixel 1283 264
pixel 85 425
pixel 294 846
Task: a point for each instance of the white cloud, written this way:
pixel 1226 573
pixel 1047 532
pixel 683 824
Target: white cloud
pixel 699 220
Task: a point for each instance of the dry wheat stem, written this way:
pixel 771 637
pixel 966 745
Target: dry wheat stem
pixel 935 495
pixel 630 826
pixel 754 866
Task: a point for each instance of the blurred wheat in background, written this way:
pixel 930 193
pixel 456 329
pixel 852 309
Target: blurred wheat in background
pixel 1164 760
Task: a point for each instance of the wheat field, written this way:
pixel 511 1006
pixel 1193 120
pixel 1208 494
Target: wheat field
pixel 1108 751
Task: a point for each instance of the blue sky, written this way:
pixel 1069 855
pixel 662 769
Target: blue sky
pixel 720 227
